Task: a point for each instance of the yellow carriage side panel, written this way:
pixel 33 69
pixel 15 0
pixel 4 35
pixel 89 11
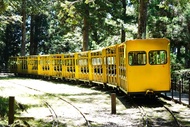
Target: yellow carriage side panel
pixel 13 64
pixel 142 74
pixel 57 61
pixel 69 66
pixel 30 63
pixel 49 63
pixel 40 64
pixel 45 65
pixel 117 66
pixel 97 66
pixel 84 66
pixel 104 65
pixel 90 65
pixel 33 64
pixel 111 61
pixel 23 65
pixel 122 77
pixel 76 66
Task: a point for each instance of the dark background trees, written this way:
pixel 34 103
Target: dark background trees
pixel 61 26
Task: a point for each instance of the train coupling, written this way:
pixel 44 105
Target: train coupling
pixel 149 92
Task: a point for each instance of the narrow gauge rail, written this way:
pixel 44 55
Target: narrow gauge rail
pixel 139 66
pixel 54 115
pixel 52 111
pixel 149 107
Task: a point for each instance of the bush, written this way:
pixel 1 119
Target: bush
pixel 4 106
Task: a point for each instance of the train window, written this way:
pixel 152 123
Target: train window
pixel 83 62
pixel 157 57
pixel 96 61
pixel 137 58
pixel 110 60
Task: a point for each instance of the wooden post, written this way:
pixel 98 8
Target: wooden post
pixel 11 109
pixel 180 91
pixel 189 91
pixel 113 103
pixel 182 80
pixel 175 83
pixel 173 89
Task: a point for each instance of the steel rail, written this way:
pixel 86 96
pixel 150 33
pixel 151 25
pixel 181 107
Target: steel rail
pixel 54 115
pixel 87 122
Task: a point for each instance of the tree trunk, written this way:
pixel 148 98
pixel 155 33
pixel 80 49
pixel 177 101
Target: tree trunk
pixel 142 19
pixel 32 35
pixel 23 28
pixel 124 20
pixel 37 32
pixel 86 28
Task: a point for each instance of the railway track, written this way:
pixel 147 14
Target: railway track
pixel 156 113
pixel 53 114
pixel 55 117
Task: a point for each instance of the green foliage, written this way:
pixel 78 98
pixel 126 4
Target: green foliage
pixel 59 25
pixel 175 65
pixel 3 6
pixel 170 19
pixel 10 42
pixel 70 42
pixel 4 106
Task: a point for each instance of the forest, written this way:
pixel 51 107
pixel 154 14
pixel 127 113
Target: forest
pixel 32 27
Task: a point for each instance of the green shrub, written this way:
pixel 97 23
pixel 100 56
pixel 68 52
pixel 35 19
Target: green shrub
pixel 4 106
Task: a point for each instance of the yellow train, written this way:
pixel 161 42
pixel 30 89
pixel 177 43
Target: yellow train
pixel 135 66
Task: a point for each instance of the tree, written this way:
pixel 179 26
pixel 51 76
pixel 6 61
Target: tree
pixel 86 27
pixel 170 19
pixel 142 19
pixel 11 38
pixel 124 20
pixel 3 6
pixel 33 46
pixel 23 28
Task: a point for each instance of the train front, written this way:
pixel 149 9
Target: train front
pixel 148 66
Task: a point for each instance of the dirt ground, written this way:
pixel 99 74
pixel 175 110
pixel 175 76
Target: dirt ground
pixel 92 103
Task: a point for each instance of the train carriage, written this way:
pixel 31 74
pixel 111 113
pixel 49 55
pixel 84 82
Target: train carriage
pixel 84 70
pixel 147 67
pixel 45 66
pixel 68 71
pixel 122 67
pixel 98 75
pixel 57 65
pixel 22 65
pixel 33 64
pixel 13 65
pixel 110 55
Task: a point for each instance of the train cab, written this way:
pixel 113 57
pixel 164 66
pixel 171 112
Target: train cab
pixel 144 66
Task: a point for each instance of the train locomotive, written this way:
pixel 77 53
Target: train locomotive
pixel 140 66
